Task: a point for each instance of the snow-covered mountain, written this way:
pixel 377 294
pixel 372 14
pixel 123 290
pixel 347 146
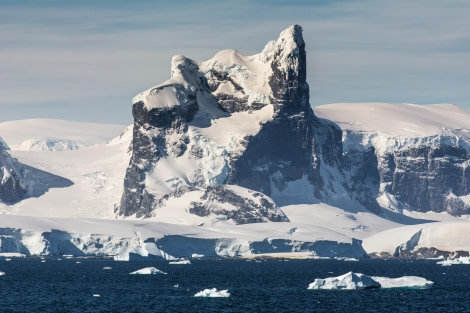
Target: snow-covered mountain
pixel 223 136
pixel 227 158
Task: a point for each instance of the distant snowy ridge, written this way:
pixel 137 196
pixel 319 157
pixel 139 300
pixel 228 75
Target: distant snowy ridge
pixel 55 135
pixel 50 144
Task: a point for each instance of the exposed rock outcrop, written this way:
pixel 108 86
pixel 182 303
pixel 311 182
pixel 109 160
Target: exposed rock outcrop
pixel 11 185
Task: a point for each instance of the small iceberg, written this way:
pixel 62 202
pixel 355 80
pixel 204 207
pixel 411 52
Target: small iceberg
pixel 460 260
pixel 357 281
pixel 184 261
pixel 107 268
pixel 148 271
pixel 197 256
pixel 2 273
pixel 213 293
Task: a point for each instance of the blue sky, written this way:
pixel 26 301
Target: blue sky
pixel 85 60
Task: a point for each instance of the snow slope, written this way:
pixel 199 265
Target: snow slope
pixel 396 120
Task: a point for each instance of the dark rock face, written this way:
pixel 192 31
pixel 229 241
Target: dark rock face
pixel 265 209
pixel 11 188
pixel 428 178
pixel 157 133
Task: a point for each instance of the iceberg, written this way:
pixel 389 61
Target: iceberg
pixel 148 271
pixel 355 281
pixel 213 293
pixel 460 260
pixel 2 273
pixel 348 281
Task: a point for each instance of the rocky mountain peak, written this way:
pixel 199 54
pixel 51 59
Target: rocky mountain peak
pixel 213 116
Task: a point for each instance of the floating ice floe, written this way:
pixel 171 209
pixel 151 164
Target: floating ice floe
pixel 354 281
pixel 12 255
pixel 197 256
pixel 148 271
pixel 213 293
pixel 2 273
pixel 404 282
pixel 460 260
pixel 180 262
pixel 107 268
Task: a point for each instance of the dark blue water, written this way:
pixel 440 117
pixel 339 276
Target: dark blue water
pixel 266 286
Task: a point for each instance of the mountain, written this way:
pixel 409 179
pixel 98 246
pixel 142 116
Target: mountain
pixel 228 134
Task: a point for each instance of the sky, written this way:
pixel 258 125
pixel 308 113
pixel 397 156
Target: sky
pixel 86 60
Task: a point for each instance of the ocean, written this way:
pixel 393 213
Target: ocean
pixel 272 285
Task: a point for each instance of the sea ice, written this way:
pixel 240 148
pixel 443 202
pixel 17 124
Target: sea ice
pixel 148 271
pixel 2 273
pixel 213 293
pixel 184 261
pixel 353 281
